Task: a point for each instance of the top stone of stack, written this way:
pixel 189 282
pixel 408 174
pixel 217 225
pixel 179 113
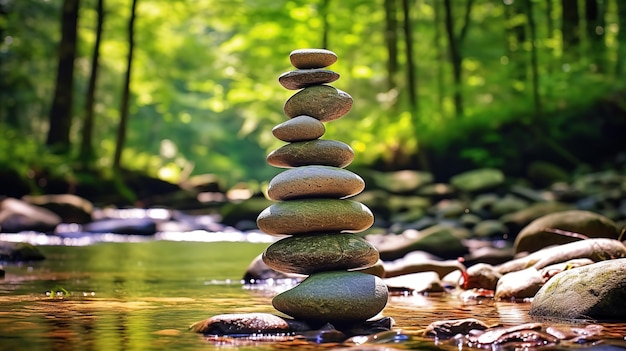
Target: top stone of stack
pixel 312 58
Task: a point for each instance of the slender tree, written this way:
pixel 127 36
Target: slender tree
pixel 60 116
pixel 411 78
pixel 391 42
pixel 621 37
pixel 86 146
pixel 121 130
pixel 594 18
pixel 534 63
pixel 326 26
pixel 570 27
pixel 440 54
pixel 516 28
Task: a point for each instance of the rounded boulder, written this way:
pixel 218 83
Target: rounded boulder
pixel 323 102
pixel 314 181
pixel 338 297
pixel 307 254
pixel 300 128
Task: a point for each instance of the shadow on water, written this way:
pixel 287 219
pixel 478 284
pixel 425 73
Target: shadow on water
pixel 144 295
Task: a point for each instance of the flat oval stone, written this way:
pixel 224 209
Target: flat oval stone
pixel 313 152
pixel 314 181
pixel 312 58
pixel 323 102
pixel 307 254
pixel 338 297
pixel 300 128
pixel 315 216
pixel 302 78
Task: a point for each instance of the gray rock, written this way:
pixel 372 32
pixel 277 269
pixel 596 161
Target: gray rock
pixel 303 78
pixel 307 254
pixel 336 297
pixel 314 152
pixel 439 240
pixel 323 102
pixel 478 180
pixel 315 216
pixel 421 282
pixel 17 215
pixel 299 128
pixel 519 219
pixel 312 58
pixel 594 291
pixel 247 323
pixel 564 227
pixel 518 285
pixel 482 276
pixel 490 228
pixel 399 182
pixel 314 181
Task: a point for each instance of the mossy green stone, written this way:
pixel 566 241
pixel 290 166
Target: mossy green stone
pixel 313 152
pixel 314 181
pixel 339 297
pixel 323 102
pixel 315 215
pixel 307 254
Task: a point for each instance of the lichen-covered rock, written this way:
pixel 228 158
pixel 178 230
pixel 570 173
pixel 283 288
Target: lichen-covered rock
pixel 323 102
pixel 314 152
pixel 315 215
pixel 594 291
pixel 334 296
pixel 564 227
pixel 312 58
pixel 299 128
pixel 303 78
pixel 307 254
pixel 314 181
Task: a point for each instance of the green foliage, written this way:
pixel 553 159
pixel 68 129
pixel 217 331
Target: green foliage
pixel 205 94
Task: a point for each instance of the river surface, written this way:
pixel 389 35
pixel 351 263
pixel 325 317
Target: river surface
pixel 143 296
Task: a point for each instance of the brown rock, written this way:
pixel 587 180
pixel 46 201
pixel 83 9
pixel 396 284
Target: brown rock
pixel 323 102
pixel 312 58
pixel 307 254
pixel 303 78
pixel 314 152
pixel 314 181
pixel 315 215
pixel 300 128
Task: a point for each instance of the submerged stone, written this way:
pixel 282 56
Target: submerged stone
pixel 336 296
pixel 323 102
pixel 300 128
pixel 315 215
pixel 307 254
pixel 314 181
pixel 314 152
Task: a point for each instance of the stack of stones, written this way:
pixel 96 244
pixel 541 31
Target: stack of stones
pixel 312 210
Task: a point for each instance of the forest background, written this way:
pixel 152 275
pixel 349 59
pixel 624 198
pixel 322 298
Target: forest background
pixel 94 89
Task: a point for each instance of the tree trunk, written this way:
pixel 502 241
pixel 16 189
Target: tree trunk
pixel 594 16
pixel 621 38
pixel 534 64
pixel 440 56
pixel 570 27
pixel 454 43
pixel 121 130
pixel 391 41
pixel 325 25
pixel 411 79
pixel 515 48
pixel 60 116
pixel 86 147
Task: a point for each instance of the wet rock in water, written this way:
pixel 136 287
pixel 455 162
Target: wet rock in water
pixel 323 102
pixel 71 208
pixel 478 180
pixel 314 181
pixel 442 241
pixel 248 323
pixel 17 215
pixel 419 261
pixel 300 128
pixel 564 227
pixel 449 328
pixel 312 58
pixel 130 226
pixel 313 152
pixel 259 272
pixel 315 215
pixel 594 291
pixel 422 282
pixel 334 296
pixel 307 254
pixel 19 252
pixel 303 78
pixel 483 276
pixel 518 285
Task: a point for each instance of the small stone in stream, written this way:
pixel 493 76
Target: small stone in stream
pixel 564 227
pixel 323 102
pixel 307 254
pixel 421 282
pixel 449 328
pixel 338 297
pixel 303 78
pixel 315 216
pixel 248 323
pixel 314 152
pixel 300 128
pixel 519 285
pixel 314 181
pixel 595 291
pixel 312 58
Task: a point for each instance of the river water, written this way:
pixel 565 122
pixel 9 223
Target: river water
pixel 143 295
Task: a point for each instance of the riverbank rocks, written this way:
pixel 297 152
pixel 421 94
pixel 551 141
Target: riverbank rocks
pixel 312 208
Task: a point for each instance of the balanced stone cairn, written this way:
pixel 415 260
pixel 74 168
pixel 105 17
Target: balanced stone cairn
pixel 312 209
